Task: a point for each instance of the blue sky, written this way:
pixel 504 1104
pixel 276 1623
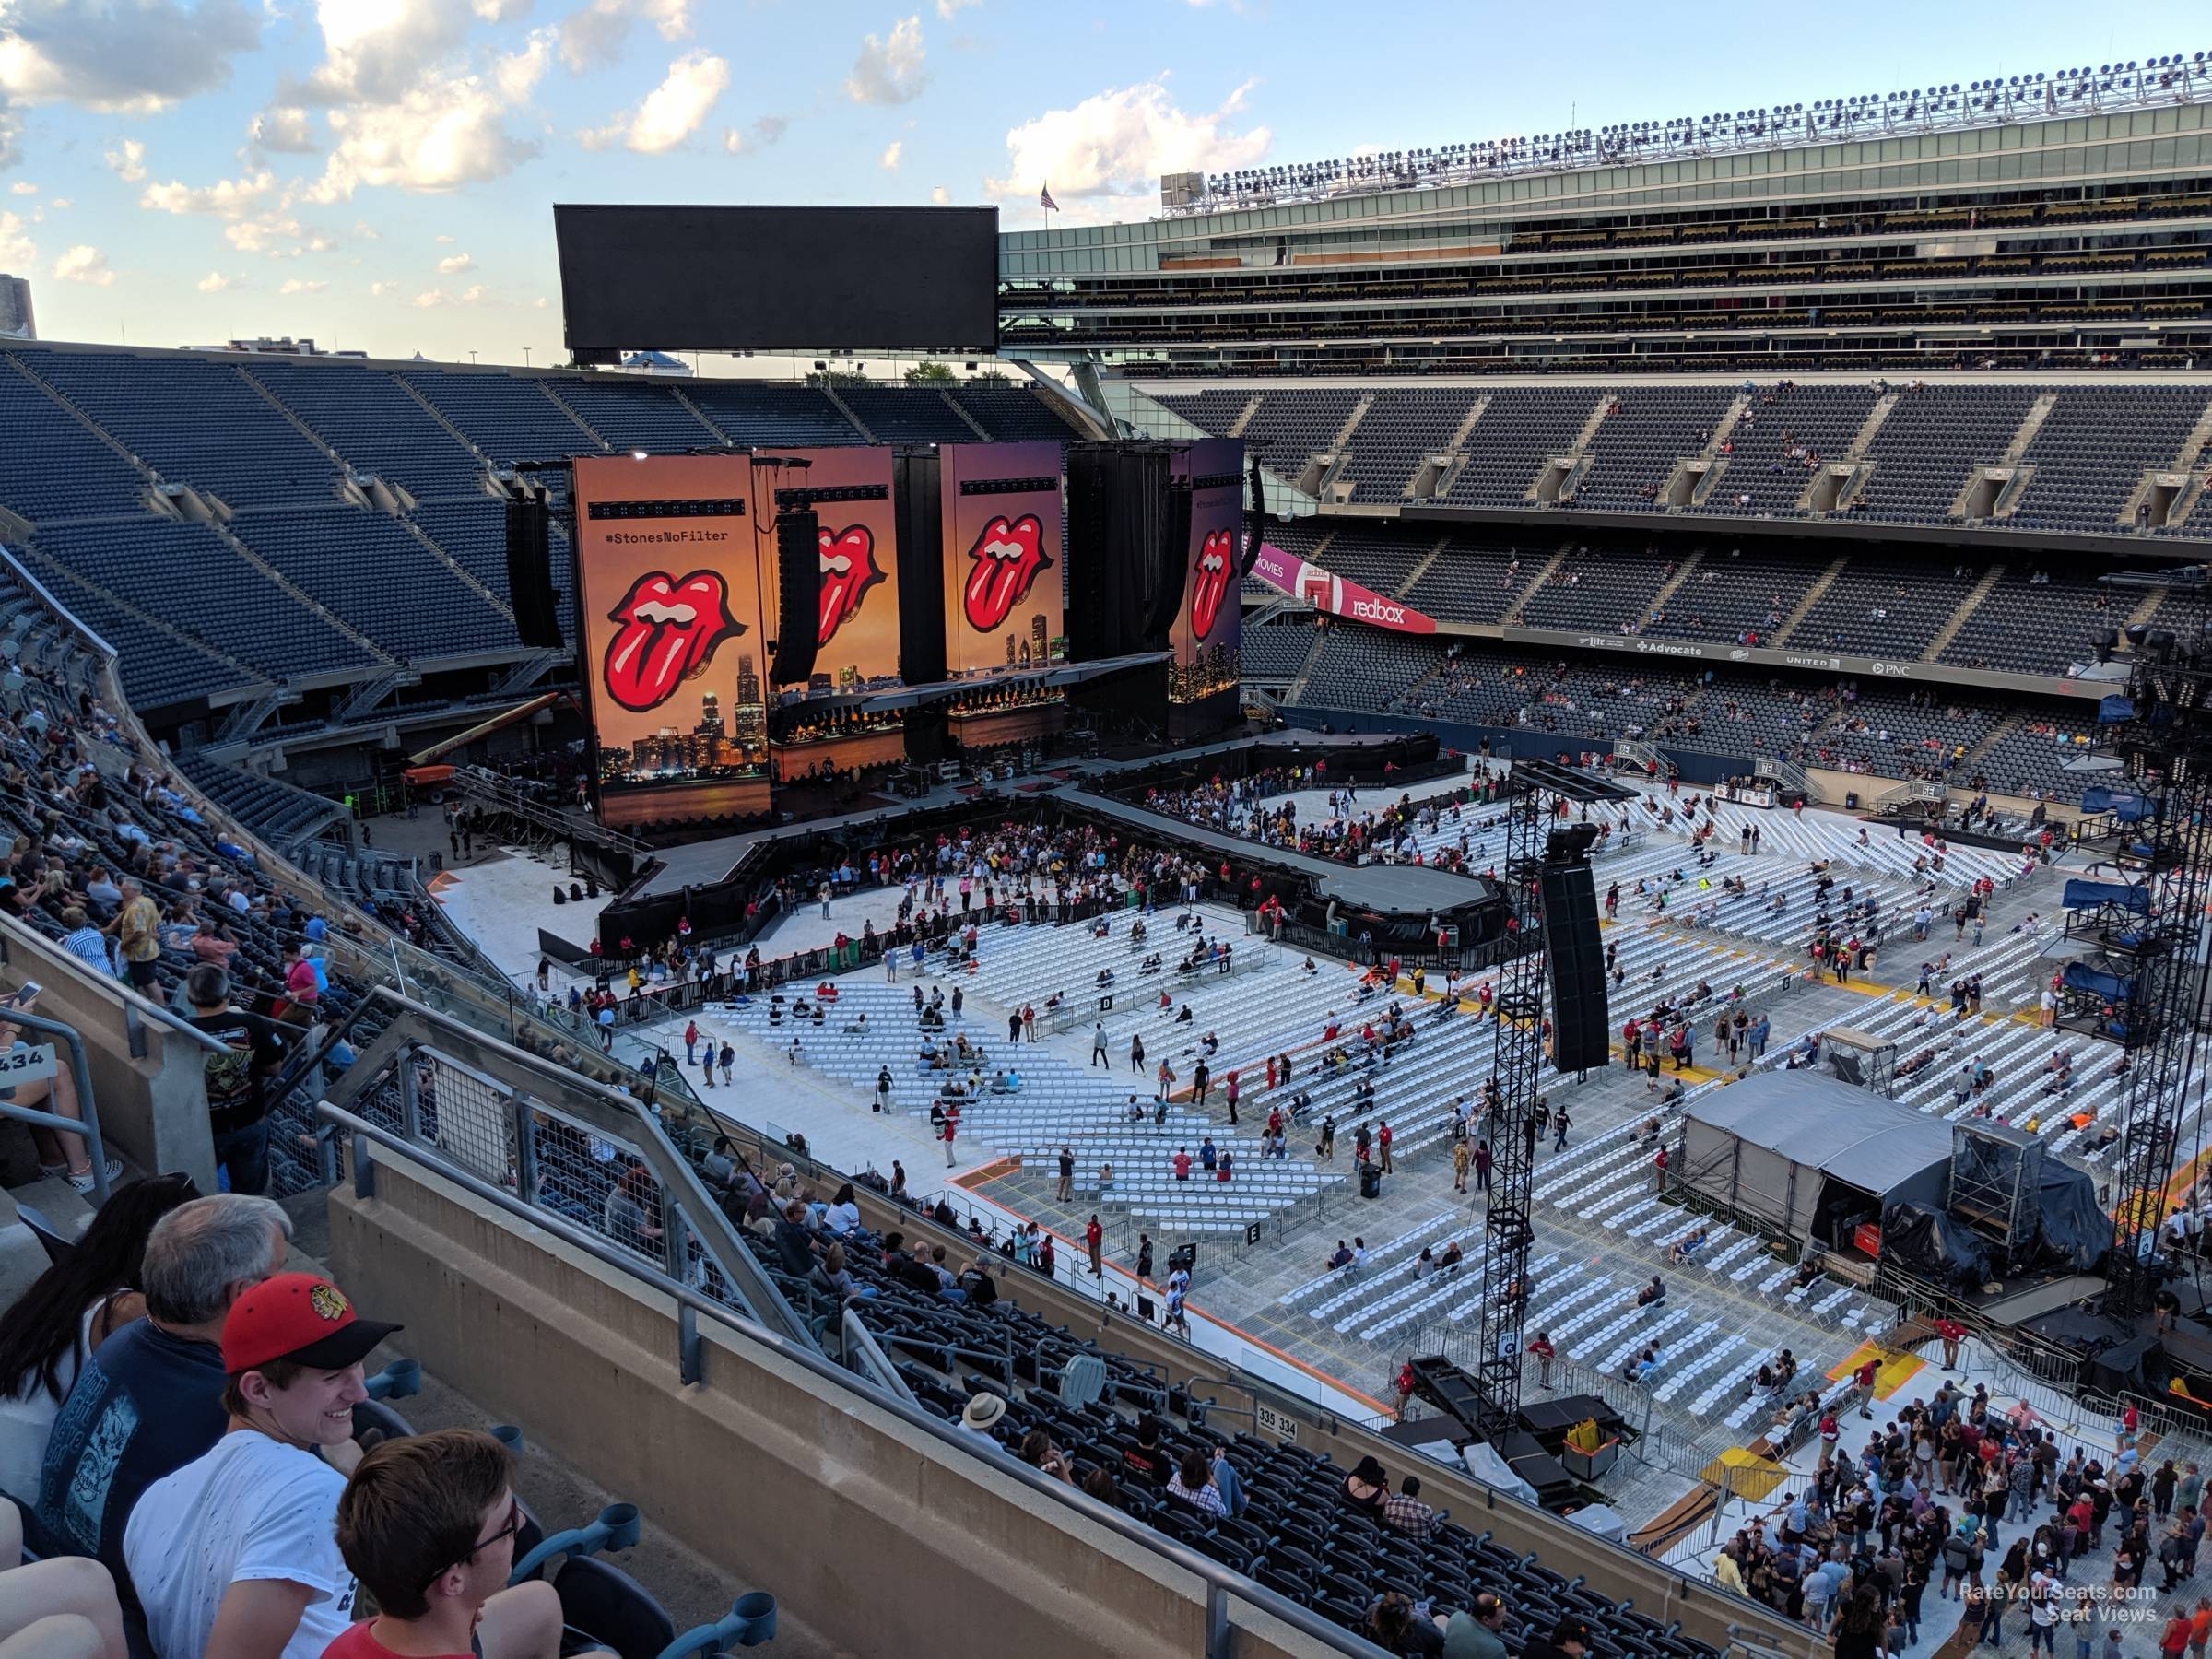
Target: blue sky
pixel 378 173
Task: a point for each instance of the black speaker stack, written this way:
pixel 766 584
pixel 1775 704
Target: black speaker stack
pixel 530 571
pixel 1579 1034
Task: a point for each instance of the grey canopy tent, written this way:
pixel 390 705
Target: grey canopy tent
pixel 1810 1157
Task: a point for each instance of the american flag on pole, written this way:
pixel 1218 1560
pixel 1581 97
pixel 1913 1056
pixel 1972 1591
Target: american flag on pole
pixel 1044 200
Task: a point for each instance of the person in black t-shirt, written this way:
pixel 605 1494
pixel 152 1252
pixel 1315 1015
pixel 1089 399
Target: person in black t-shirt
pixel 237 1106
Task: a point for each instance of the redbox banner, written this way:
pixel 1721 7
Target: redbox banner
pixel 1301 579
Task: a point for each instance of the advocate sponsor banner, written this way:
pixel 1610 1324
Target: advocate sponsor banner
pixel 856 625
pixel 1003 557
pixel 1209 622
pixel 668 594
pixel 1304 580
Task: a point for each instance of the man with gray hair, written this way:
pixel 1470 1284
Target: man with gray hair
pixel 150 1399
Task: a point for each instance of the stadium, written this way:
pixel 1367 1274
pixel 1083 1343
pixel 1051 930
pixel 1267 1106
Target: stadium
pixel 1305 1013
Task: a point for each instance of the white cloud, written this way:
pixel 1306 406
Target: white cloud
pixel 22 187
pixel 11 136
pixel 949 10
pixel 258 234
pixel 84 262
pixel 888 161
pixel 367 232
pixel 128 160
pixel 17 251
pixel 59 202
pixel 764 132
pixel 539 303
pixel 888 70
pixel 431 298
pixel 226 198
pixel 453 263
pixel 671 112
pixel 215 282
pixel 379 290
pixel 940 195
pixel 446 130
pixel 441 239
pixel 1104 157
pixel 125 56
pixel 283 130
pixel 298 285
pixel 596 34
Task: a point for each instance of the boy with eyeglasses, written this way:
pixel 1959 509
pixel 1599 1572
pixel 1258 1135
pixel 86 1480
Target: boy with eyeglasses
pixel 427 1525
pixel 234 1553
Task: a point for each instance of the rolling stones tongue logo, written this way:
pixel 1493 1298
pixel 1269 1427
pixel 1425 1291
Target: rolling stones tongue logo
pixel 1007 558
pixel 848 572
pixel 669 629
pixel 1209 583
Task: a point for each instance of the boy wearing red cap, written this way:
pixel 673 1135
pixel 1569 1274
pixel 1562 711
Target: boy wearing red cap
pixel 236 1553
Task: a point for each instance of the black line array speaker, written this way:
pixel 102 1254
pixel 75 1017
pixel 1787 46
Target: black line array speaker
pixel 1581 1041
pixel 919 527
pixel 1124 571
pixel 798 594
pixel 530 571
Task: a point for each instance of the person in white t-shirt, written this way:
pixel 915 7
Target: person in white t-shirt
pixel 237 1552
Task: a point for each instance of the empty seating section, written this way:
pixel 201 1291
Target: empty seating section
pixel 1737 716
pixel 2093 448
pixel 207 590
pixel 275 811
pixel 1737 595
pixel 1880 732
pixel 1477 578
pixel 2027 625
pixel 1278 649
pixel 633 415
pixel 1519 429
pixel 369 419
pixel 760 412
pixel 906 415
pixel 1926 446
pixel 1012 414
pixel 1402 424
pixel 366 567
pixel 50 467
pixel 1378 557
pixel 502 414
pixel 1598 589
pixel 1360 668
pixel 158 667
pixel 1639 441
pixel 1292 426
pixel 192 420
pixel 1886 607
pixel 1211 411
pixel 1760 476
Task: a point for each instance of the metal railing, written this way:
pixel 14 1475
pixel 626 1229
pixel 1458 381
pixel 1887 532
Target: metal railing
pixel 86 1128
pixel 1222 1585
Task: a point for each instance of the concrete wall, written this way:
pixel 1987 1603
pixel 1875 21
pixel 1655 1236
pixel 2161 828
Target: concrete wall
pixel 874 1534
pixel 153 1105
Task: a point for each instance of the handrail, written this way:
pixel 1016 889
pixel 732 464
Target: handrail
pixel 1221 1583
pixel 134 1002
pixel 80 1071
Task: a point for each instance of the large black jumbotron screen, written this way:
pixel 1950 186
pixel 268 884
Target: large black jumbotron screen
pixel 778 279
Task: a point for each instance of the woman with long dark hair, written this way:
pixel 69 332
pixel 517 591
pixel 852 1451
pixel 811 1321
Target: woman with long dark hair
pixel 69 1310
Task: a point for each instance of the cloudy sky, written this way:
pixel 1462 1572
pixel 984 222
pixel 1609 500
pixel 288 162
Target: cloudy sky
pixel 378 173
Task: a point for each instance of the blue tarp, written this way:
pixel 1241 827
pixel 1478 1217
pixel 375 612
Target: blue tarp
pixel 2113 710
pixel 2124 805
pixel 2089 895
pixel 2081 976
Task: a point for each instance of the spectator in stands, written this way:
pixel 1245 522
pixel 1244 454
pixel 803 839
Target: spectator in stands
pixel 60 1155
pixel 1405 1513
pixel 69 1310
pixel 137 929
pixel 631 1214
pixel 84 941
pixel 979 1417
pixel 427 1525
pixel 254 1051
pixel 1366 1488
pixel 1192 1481
pixel 237 1551
pixel 150 1399
pixel 1474 1633
pixel 1146 1460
